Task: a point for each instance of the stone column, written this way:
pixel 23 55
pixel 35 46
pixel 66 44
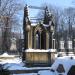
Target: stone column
pixel 30 39
pixel 47 41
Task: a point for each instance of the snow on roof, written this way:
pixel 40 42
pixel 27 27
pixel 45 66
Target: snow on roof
pixel 33 24
pixel 40 50
pixel 66 61
pixel 46 25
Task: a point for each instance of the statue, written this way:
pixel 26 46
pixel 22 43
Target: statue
pixel 13 44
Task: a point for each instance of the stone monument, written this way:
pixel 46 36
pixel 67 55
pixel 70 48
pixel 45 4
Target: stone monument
pixel 13 44
pixel 38 40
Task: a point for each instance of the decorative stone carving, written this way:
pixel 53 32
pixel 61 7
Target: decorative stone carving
pixel 60 68
pixel 28 28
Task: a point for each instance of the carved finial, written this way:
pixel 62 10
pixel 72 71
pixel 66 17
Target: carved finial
pixel 26 10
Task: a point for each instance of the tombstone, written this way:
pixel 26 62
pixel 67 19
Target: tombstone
pixel 61 44
pixel 69 45
pixel 13 44
pixel 72 70
pixel 60 68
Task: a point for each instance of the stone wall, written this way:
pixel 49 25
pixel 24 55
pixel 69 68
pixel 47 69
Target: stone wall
pixel 46 58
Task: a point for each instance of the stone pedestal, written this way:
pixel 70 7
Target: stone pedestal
pixel 39 57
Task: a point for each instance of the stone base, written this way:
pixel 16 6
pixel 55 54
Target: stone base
pixel 42 58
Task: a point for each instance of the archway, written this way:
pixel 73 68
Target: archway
pixel 37 40
pixel 43 40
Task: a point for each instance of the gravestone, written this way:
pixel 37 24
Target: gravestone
pixel 60 68
pixel 13 44
pixel 62 45
pixel 69 45
pixel 72 70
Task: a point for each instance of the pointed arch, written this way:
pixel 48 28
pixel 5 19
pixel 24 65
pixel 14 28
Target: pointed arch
pixel 37 37
pixel 43 40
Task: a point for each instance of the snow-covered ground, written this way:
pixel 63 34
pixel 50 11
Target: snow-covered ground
pixel 5 58
pixel 46 72
pixel 27 74
pixel 16 64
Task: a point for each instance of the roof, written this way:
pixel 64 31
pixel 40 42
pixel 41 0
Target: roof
pixel 66 61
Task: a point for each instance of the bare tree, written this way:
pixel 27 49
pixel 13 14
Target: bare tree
pixel 56 14
pixel 69 15
pixel 8 17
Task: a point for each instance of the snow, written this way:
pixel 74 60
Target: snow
pixel 6 58
pixel 46 25
pixel 6 55
pixel 66 61
pixel 46 72
pixel 11 60
pixel 27 74
pixel 17 64
pixel 42 50
pixel 33 24
pixel 14 66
